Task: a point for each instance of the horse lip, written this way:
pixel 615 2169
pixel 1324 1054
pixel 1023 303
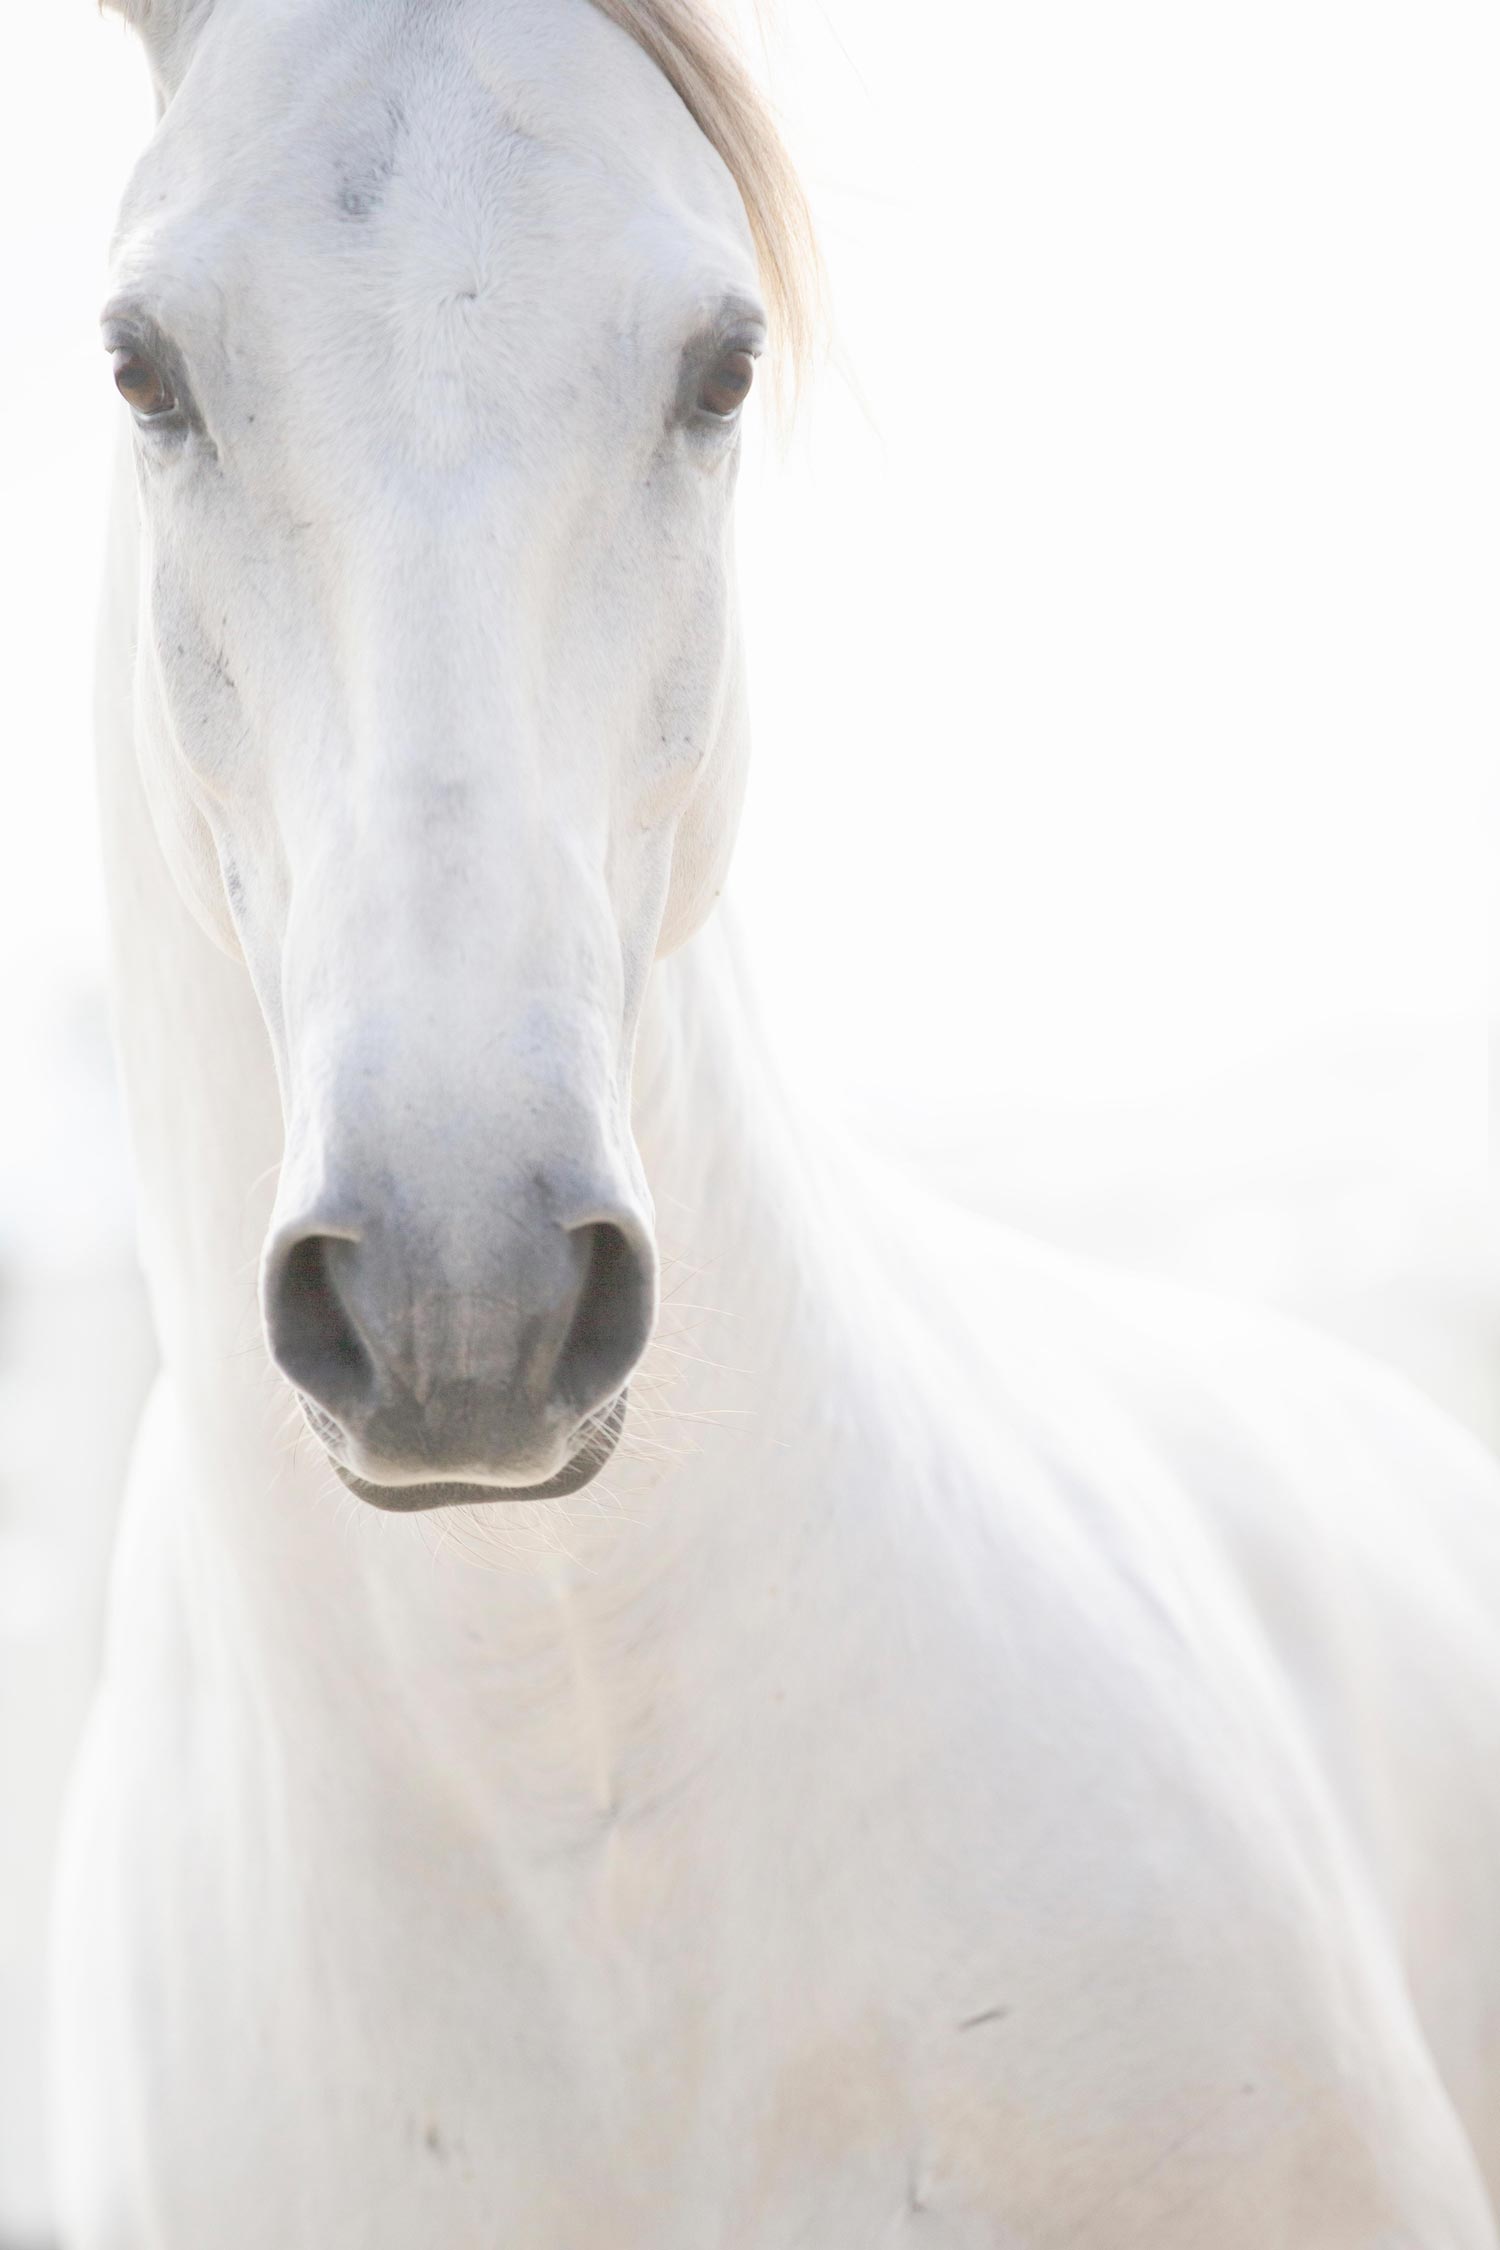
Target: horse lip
pixel 600 1437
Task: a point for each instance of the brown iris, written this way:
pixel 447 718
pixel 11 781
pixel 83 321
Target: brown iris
pixel 726 386
pixel 141 383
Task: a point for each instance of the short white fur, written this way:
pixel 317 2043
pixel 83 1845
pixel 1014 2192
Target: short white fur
pixel 1003 1755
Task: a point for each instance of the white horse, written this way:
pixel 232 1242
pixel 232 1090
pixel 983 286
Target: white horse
pixel 1015 1757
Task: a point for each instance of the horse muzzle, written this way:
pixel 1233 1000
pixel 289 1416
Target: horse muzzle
pixel 489 1368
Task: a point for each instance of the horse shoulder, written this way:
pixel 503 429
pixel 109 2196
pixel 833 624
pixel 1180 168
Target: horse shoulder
pixel 1261 1694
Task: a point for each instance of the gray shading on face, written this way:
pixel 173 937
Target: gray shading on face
pixel 443 729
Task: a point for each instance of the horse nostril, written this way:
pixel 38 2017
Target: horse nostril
pixel 313 1335
pixel 611 1321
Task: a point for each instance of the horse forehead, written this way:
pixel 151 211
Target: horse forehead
pixel 371 158
pixel 337 100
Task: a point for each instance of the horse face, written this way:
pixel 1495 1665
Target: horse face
pixel 434 326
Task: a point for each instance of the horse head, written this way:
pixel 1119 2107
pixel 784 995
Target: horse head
pixel 436 325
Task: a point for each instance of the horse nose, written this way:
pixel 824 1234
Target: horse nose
pixel 430 1375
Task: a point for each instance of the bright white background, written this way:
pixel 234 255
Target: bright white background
pixel 1120 845
pixel 1123 838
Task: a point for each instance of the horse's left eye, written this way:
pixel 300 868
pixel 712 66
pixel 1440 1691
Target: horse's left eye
pixel 726 386
pixel 142 385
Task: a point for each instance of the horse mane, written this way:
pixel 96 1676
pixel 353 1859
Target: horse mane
pixel 694 53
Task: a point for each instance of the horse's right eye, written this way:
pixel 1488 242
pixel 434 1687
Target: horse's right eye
pixel 142 385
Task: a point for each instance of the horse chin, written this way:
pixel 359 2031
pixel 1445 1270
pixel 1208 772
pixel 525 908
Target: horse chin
pixel 601 1437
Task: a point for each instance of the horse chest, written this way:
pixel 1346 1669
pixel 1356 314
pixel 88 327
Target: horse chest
pixel 657 2033
pixel 873 1963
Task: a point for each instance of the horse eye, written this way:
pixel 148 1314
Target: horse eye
pixel 726 386
pixel 142 385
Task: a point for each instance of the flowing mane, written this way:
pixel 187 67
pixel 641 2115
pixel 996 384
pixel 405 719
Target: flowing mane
pixel 696 56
